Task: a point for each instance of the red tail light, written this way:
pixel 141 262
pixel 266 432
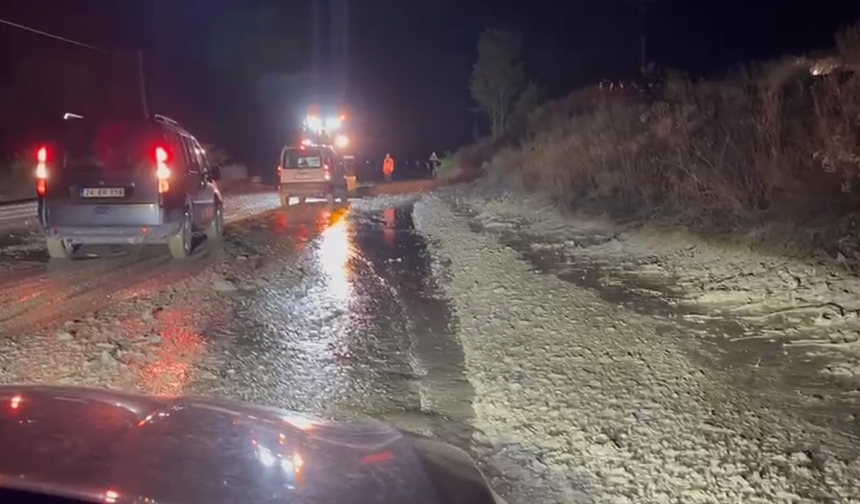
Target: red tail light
pixel 42 171
pixel 162 171
pixel 327 172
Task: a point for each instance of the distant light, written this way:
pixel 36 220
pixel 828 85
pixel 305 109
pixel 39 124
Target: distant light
pixel 342 141
pixel 313 123
pixel 307 142
pixel 332 123
pixel 69 115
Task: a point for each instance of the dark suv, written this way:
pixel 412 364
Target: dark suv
pixel 125 182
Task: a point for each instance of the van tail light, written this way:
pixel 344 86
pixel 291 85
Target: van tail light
pixel 162 171
pixel 326 172
pixel 42 171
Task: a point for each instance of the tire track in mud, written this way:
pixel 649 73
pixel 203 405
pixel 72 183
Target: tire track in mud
pixel 43 294
pixel 61 297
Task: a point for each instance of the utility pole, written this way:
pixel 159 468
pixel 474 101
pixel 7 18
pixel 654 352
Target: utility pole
pixel 141 75
pixel 642 6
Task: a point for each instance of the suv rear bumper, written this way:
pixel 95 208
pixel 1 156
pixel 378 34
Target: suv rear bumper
pixel 306 189
pixel 122 224
pixel 113 235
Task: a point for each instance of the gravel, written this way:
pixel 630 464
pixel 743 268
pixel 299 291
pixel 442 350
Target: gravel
pixel 596 403
pixel 811 303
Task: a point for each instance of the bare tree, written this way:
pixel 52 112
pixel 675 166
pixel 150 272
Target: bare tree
pixel 499 82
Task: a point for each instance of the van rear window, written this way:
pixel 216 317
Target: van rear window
pixel 301 158
pixel 106 145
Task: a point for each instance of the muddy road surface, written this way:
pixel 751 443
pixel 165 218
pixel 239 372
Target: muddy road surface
pixel 328 310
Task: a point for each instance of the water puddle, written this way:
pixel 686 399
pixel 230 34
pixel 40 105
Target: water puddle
pixel 400 257
pixel 350 323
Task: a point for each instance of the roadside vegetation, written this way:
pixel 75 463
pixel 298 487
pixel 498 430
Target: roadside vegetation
pixel 773 147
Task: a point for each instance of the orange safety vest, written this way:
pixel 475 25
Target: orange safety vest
pixel 388 166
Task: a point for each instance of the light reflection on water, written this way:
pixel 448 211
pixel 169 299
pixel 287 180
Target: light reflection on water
pixel 335 252
pixel 309 313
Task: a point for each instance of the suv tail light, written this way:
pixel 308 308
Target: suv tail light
pixel 160 155
pixel 162 171
pixel 42 171
pixel 326 172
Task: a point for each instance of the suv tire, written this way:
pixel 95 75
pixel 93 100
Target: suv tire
pixel 215 230
pixel 181 243
pixel 59 249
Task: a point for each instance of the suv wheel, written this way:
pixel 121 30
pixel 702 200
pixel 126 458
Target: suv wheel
pixel 330 198
pixel 215 231
pixel 59 248
pixel 180 243
pixel 285 200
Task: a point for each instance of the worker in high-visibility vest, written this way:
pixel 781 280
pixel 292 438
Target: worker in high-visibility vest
pixel 388 167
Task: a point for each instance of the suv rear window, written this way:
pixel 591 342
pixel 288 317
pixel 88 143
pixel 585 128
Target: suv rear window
pixel 104 145
pixel 302 158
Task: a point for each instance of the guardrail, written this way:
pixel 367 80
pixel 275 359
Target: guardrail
pixel 20 213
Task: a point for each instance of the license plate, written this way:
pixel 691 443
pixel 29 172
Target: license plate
pixel 303 174
pixel 103 192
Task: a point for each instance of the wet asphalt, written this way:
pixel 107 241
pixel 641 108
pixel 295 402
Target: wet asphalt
pixel 351 323
pixel 335 311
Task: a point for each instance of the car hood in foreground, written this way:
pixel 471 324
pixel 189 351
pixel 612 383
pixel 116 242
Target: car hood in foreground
pixel 104 446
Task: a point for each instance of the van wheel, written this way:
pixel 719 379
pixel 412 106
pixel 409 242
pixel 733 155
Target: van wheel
pixel 285 200
pixel 215 231
pixel 59 249
pixel 180 243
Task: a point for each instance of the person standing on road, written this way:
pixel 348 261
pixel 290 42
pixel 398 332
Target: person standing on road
pixel 388 167
pixel 433 164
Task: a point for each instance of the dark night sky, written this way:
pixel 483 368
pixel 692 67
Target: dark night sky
pixel 211 64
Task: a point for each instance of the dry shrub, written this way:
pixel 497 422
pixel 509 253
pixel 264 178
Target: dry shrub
pixel 774 140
